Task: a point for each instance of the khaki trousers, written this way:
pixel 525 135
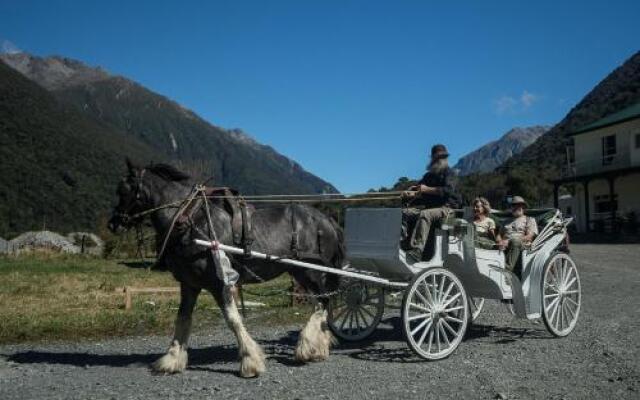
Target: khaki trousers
pixel 416 225
pixel 512 253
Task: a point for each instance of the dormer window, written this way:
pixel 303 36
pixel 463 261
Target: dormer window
pixel 608 149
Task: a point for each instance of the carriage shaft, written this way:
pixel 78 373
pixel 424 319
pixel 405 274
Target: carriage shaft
pixel 302 264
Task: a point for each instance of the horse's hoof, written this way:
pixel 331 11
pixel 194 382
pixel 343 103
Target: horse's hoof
pixel 305 354
pixel 315 340
pixel 174 361
pixel 251 367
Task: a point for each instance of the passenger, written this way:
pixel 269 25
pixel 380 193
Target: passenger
pixel 485 226
pixel 517 232
pixel 429 202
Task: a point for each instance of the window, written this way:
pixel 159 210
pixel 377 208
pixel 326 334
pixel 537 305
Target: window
pixel 637 140
pixel 608 149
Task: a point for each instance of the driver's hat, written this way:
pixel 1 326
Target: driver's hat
pixel 439 151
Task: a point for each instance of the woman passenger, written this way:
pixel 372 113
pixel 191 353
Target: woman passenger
pixel 486 234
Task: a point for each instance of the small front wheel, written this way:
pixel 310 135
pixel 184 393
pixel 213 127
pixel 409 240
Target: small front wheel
pixel 435 313
pixel 561 294
pixel 355 312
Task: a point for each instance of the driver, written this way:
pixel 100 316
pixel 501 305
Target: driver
pixel 428 202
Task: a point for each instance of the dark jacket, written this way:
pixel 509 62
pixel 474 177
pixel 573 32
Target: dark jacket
pixel 446 180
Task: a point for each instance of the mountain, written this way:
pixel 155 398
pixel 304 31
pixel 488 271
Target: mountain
pixel 495 153
pixel 65 129
pixel 620 89
pixel 59 167
pixel 230 157
pixel 53 72
pixel 529 172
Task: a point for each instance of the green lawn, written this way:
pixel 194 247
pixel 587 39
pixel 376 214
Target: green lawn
pixel 69 297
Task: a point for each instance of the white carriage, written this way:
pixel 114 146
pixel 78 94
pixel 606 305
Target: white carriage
pixel 442 296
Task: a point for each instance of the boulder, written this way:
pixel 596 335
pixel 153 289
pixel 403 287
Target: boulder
pixel 42 240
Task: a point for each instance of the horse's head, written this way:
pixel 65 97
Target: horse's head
pixel 133 198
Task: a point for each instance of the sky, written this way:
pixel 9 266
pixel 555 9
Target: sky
pixel 355 91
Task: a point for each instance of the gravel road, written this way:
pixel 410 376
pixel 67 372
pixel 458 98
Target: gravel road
pixel 502 357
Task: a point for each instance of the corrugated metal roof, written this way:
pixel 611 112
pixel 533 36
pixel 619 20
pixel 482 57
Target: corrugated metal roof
pixel 626 114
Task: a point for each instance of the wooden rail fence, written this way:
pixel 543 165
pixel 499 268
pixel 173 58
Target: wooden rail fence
pixel 129 291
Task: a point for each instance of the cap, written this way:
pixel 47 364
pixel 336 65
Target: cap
pixel 518 200
pixel 439 151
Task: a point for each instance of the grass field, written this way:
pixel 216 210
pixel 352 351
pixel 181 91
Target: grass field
pixel 51 297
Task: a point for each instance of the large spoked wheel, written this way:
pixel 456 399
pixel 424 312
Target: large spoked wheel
pixel 561 294
pixel 355 312
pixel 475 307
pixel 435 313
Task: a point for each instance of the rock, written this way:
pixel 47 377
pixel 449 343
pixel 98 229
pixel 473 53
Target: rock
pixel 42 240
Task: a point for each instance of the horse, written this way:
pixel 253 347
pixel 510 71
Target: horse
pixel 158 190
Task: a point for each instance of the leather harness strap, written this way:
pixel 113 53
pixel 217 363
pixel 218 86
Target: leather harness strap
pixel 235 206
pixel 241 227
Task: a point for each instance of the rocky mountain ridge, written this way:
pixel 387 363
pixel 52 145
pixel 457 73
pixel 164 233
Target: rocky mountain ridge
pixel 231 157
pixel 495 153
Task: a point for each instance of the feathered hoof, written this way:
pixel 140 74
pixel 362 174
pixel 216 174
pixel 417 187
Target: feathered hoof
pixel 173 362
pixel 252 366
pixel 315 340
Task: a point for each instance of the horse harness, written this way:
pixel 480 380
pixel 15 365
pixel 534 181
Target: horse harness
pixel 235 205
pixel 241 226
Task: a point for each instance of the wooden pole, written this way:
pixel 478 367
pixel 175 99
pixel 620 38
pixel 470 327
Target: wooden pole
pixel 127 298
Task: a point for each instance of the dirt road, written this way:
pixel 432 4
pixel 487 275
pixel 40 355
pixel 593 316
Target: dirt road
pixel 502 357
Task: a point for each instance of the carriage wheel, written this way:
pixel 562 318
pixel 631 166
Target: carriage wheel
pixel 435 313
pixel 355 312
pixel 561 294
pixel 475 307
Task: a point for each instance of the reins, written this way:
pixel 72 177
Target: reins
pixel 283 199
pixel 200 191
pixel 185 205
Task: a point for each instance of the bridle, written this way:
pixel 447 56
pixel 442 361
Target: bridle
pixel 126 216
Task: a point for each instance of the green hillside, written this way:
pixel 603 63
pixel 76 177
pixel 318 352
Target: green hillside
pixel 59 168
pixel 231 157
pixel 65 129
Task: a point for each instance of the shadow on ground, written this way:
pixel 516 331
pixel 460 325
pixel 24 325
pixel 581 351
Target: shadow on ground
pixel 197 357
pixel 373 348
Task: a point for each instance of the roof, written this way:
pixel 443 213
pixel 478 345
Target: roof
pixel 626 114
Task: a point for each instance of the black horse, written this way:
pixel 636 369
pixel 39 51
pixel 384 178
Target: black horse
pixel 278 230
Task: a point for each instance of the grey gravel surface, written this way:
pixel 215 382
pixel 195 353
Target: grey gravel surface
pixel 502 358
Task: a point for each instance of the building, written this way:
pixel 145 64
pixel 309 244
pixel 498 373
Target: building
pixel 603 166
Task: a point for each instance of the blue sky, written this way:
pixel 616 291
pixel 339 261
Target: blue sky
pixel 356 91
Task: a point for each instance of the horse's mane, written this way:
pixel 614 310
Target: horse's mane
pixel 168 172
